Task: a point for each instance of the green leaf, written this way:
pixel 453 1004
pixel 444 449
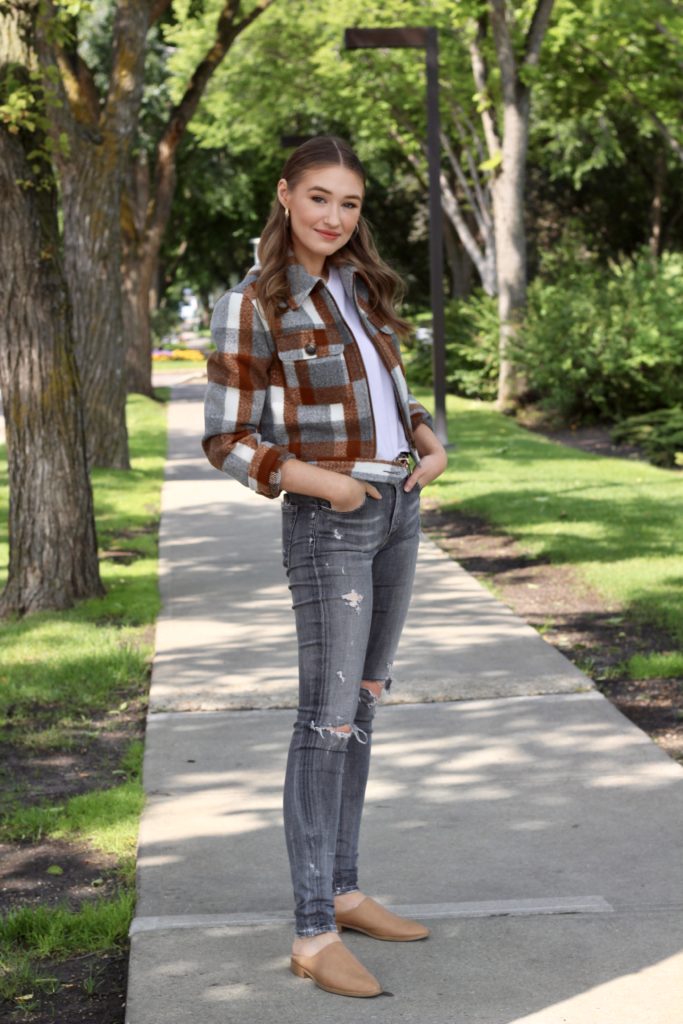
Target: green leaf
pixel 492 163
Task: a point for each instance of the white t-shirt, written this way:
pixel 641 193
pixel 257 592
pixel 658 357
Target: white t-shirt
pixel 391 437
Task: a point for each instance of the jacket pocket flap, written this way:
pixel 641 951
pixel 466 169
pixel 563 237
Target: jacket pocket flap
pixel 306 346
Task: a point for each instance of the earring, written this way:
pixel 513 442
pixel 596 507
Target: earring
pixel 286 215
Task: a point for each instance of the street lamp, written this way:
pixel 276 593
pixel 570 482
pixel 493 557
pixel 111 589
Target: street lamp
pixel 426 38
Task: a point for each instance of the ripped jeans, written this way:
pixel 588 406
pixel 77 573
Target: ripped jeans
pixel 351 577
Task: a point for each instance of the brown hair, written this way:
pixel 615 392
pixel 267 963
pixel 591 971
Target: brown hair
pixel 385 287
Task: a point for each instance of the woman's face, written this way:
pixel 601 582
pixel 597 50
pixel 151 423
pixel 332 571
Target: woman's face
pixel 324 208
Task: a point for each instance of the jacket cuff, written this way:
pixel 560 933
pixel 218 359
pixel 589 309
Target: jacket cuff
pixel 265 469
pixel 418 415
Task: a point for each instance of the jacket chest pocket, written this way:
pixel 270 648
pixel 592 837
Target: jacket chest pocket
pixel 313 367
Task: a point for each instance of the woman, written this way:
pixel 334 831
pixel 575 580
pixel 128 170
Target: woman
pixel 307 394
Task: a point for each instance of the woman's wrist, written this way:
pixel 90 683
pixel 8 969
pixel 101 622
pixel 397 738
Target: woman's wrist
pixel 303 478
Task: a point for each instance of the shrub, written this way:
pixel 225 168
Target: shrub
pixel 659 434
pixel 471 349
pixel 605 343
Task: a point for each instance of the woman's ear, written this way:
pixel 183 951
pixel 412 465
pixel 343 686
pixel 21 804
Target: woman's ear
pixel 282 192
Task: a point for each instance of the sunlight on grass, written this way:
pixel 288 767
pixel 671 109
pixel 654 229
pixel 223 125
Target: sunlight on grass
pixel 60 663
pixel 619 522
pixel 666 665
pixel 59 932
pixel 57 670
pixel 106 818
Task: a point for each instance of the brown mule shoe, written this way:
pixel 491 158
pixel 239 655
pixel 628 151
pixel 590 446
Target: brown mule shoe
pixel 374 920
pixel 336 969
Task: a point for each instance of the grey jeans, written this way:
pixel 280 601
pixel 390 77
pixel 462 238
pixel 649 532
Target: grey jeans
pixel 351 577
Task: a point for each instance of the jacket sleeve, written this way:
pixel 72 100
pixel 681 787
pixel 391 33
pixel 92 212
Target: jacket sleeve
pixel 418 413
pixel 238 373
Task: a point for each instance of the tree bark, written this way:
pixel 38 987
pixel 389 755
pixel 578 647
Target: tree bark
pixel 136 291
pixel 100 131
pixel 509 154
pixel 53 546
pixel 508 205
pixel 459 263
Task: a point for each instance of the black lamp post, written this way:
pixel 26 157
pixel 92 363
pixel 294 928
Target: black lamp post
pixel 426 38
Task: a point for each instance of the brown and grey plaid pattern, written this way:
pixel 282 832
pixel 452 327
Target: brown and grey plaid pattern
pixel 301 390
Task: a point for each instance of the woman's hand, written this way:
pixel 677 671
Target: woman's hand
pixel 343 492
pixel 352 494
pixel 433 458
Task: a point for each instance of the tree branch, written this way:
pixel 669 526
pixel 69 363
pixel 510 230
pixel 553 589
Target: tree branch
pixel 128 67
pixel 77 93
pixel 83 93
pixel 258 10
pixel 537 31
pixel 227 31
pixel 480 75
pixel 504 50
pixel 471 196
pixel 451 207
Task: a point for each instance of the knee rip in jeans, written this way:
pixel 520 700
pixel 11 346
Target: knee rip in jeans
pixel 371 691
pixel 341 732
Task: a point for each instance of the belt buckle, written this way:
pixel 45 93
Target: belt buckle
pixel 403 461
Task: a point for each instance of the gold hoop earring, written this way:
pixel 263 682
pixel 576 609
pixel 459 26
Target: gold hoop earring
pixel 286 215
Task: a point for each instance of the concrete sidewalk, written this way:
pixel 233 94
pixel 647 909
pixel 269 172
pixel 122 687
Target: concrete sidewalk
pixel 510 805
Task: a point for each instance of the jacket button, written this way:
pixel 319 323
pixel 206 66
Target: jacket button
pixel 310 349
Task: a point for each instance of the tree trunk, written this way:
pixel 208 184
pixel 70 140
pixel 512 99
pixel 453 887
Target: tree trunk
pixel 142 249
pixel 135 201
pixel 99 130
pixel 508 185
pixel 136 314
pixel 508 203
pixel 92 256
pixel 459 263
pixel 53 546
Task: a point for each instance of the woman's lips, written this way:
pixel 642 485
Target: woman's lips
pixel 328 234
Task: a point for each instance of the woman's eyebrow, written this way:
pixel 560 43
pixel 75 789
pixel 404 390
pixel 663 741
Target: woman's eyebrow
pixel 319 188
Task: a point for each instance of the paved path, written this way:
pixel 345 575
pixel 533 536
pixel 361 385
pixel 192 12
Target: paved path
pixel 510 805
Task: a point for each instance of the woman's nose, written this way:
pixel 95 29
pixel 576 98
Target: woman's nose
pixel 332 216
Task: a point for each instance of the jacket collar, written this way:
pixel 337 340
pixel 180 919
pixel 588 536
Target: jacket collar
pixel 301 283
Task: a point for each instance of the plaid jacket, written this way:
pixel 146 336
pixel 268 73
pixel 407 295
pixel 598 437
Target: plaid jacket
pixel 300 391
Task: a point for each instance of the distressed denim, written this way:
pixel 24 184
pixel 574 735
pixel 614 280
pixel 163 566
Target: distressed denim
pixel 351 577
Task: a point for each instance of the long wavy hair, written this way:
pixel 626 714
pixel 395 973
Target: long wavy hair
pixel 385 287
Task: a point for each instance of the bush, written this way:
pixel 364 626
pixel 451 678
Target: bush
pixel 471 349
pixel 659 434
pixel 605 343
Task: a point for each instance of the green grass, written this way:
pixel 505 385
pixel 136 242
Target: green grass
pixel 106 818
pixel 64 664
pixel 620 523
pixel 58 672
pixel 179 364
pixel 656 666
pixel 30 934
pixel 59 932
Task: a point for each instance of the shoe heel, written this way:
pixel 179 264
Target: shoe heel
pixel 297 969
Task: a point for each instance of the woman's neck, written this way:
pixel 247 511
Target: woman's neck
pixel 316 268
